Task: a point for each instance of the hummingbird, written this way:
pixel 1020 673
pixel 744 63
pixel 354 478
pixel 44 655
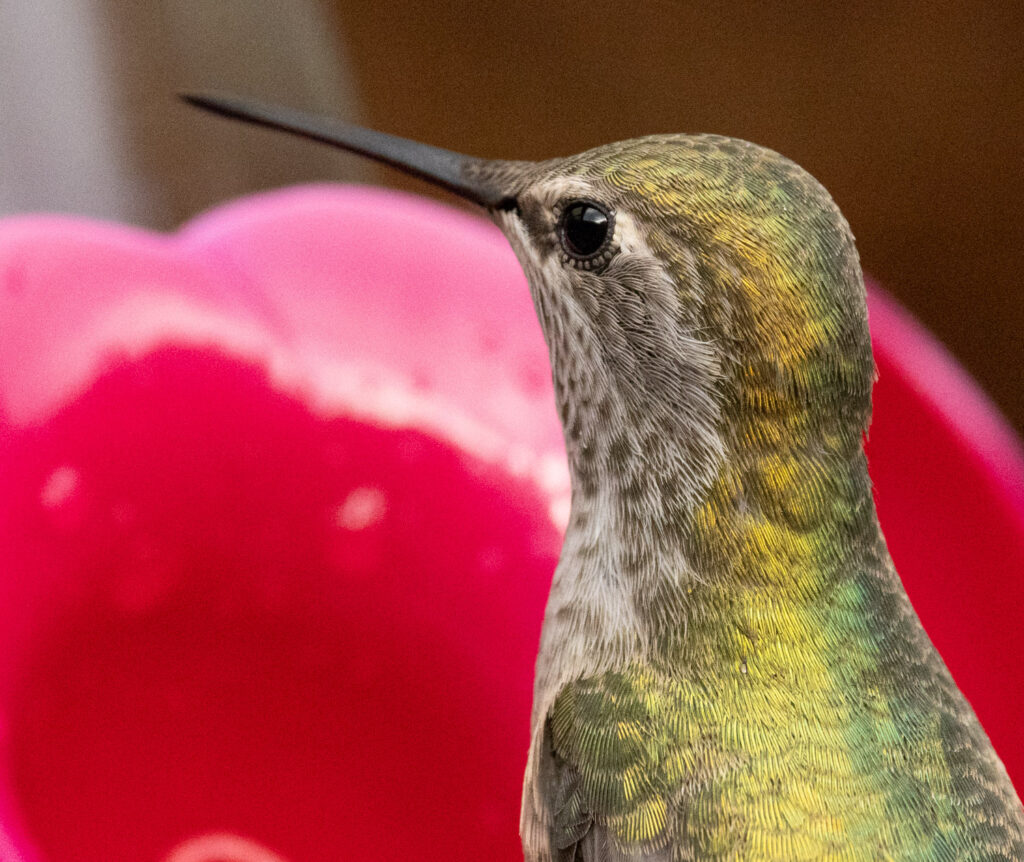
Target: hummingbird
pixel 729 666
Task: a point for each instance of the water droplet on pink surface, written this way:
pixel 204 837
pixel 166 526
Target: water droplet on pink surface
pixel 364 507
pixel 59 487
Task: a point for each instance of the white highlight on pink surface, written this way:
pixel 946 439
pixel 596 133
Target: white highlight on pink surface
pixel 230 281
pixel 363 508
pixel 330 385
pixel 59 487
pixel 222 847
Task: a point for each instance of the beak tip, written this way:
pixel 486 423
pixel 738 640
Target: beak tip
pixel 225 106
pixel 196 100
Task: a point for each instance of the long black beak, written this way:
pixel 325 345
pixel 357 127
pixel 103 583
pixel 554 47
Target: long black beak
pixel 446 168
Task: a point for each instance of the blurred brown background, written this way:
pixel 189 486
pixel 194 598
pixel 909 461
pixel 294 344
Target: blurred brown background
pixel 911 113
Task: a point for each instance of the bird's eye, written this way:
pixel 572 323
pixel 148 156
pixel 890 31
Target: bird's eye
pixel 584 229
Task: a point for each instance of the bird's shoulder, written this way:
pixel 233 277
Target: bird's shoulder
pixel 646 763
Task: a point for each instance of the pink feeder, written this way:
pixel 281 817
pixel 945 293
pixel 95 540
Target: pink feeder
pixel 280 499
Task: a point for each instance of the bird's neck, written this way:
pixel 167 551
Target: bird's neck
pixel 784 531
pixel 785 543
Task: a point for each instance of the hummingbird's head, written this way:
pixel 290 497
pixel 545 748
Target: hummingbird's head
pixel 692 289
pixel 700 296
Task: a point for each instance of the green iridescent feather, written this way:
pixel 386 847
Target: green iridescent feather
pixel 789 705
